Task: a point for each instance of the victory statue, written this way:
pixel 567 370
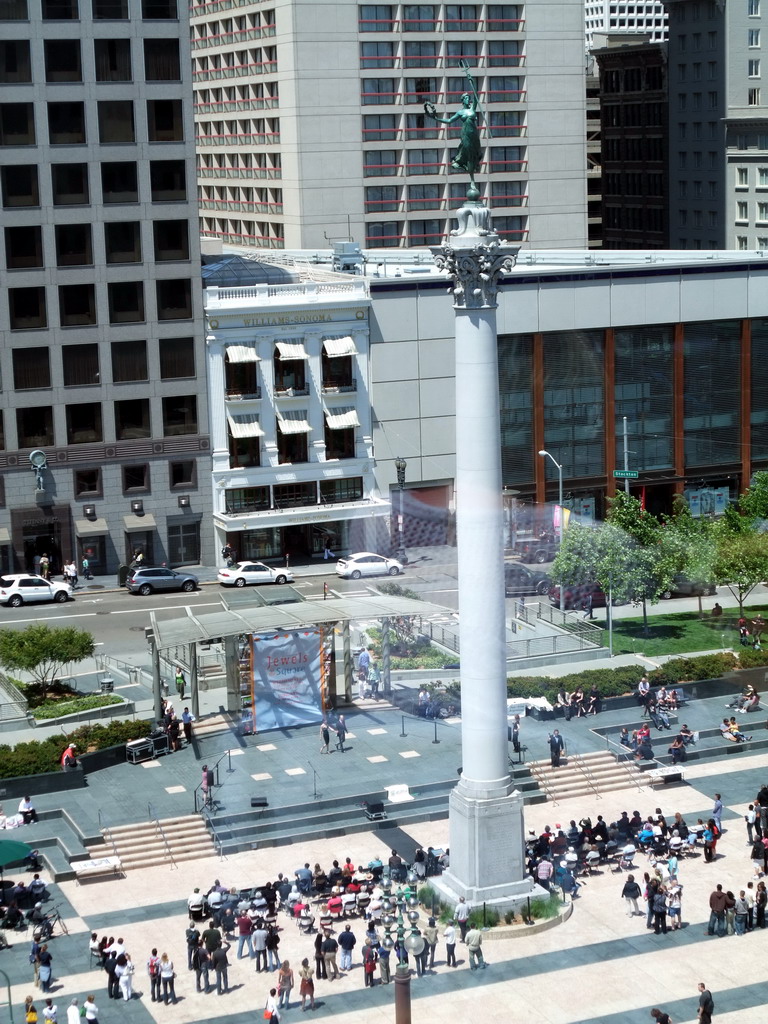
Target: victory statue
pixel 467 156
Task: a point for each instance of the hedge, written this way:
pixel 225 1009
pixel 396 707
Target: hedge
pixel 615 682
pixel 60 708
pixel 36 756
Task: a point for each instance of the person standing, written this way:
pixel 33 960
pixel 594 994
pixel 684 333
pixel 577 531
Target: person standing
pixel 717 904
pixel 319 959
pixel 341 733
pixel 661 1017
pixel 206 785
pixel 327 553
pixel 50 1012
pixel 192 936
pixel 330 948
pixel 741 910
pixel 244 930
pixel 201 965
pixel 347 943
pixel 706 1004
pixel 73 1012
pixel 220 964
pixel 167 975
pixel 363 664
pixel 556 747
pixel 474 943
pixel 307 985
pixel 587 606
pixel 153 970
pixel 660 911
pixel 717 812
pixel 461 917
pixel 284 984
pixel 516 734
pixel 187 718
pixel 430 937
pixel 750 817
pixel 369 963
pixel 384 954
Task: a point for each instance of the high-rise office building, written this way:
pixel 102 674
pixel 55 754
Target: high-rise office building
pixel 104 447
pixel 646 16
pixel 311 121
pixel 718 125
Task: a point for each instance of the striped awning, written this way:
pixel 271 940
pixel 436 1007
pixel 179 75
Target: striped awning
pixel 291 350
pixel 335 347
pixel 293 421
pixel 242 354
pixel 341 418
pixel 244 425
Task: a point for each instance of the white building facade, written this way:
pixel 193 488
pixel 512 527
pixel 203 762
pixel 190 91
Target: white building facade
pixel 635 16
pixel 291 430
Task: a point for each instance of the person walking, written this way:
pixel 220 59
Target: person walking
pixel 181 682
pixel 461 917
pixel 90 1010
pixel 717 813
pixel 325 738
pixel 341 733
pixel 271 1011
pixel 284 984
pixel 327 552
pixel 556 747
pixel 631 893
pixel 706 1004
pixel 474 943
pixel 306 985
pixel 661 1017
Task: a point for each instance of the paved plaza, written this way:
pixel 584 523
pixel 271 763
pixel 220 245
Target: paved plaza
pixel 599 966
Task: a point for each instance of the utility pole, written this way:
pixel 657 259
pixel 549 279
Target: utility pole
pixel 626 455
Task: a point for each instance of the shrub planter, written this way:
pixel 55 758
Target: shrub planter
pixel 122 710
pixel 56 782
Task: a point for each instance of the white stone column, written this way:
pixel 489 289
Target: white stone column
pixel 217 406
pixel 486 821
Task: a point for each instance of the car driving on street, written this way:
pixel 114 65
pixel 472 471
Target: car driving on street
pixel 146 581
pixel 21 588
pixel 245 573
pixel 366 563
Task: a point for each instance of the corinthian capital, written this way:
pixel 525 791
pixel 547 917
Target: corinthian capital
pixel 475 271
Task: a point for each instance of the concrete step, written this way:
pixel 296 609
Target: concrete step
pixel 141 845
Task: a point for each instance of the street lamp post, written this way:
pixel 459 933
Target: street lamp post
pixel 559 468
pixel 400 466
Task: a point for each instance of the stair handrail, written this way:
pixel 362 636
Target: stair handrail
pixel 208 819
pixel 541 777
pixel 625 752
pixel 585 770
pixel 106 830
pixel 161 833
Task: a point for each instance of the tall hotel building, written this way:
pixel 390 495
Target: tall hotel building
pixel 103 447
pixel 311 123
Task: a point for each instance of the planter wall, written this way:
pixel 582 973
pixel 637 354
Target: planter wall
pixel 61 781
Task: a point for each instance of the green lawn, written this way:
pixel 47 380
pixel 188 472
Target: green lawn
pixel 678 634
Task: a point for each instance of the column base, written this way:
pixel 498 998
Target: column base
pixel 487 850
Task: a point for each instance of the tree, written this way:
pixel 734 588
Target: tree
pixel 649 565
pixel 691 544
pixel 42 651
pixel 753 503
pixel 741 562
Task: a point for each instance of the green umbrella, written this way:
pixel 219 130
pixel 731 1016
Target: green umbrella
pixel 12 852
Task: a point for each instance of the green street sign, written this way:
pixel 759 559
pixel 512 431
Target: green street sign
pixel 625 474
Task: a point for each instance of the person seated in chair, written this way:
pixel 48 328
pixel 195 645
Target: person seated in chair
pixel 38 888
pixel 13 917
pixel 39 921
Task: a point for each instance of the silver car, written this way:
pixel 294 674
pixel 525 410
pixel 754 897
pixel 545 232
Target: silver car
pixel 147 581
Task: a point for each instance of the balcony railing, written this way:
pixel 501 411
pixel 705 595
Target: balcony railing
pixel 331 388
pixel 260 67
pixel 240 206
pixel 225 106
pixel 238 395
pixel 239 172
pixel 238 238
pixel 244 139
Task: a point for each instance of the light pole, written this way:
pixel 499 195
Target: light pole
pixel 544 452
pixel 400 466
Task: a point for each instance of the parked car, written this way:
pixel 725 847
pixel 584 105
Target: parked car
pixel 683 587
pixel 245 573
pixel 575 595
pixel 147 580
pixel 21 588
pixel 365 563
pixel 519 580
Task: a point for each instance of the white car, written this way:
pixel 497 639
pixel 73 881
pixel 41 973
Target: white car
pixel 245 573
pixel 21 588
pixel 365 563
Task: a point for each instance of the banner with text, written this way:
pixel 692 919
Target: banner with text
pixel 289 675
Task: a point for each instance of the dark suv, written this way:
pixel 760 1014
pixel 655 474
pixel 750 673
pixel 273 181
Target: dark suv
pixel 520 581
pixel 683 587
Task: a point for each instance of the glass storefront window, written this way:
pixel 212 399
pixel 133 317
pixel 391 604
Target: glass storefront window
pixel 644 394
pixel 574 414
